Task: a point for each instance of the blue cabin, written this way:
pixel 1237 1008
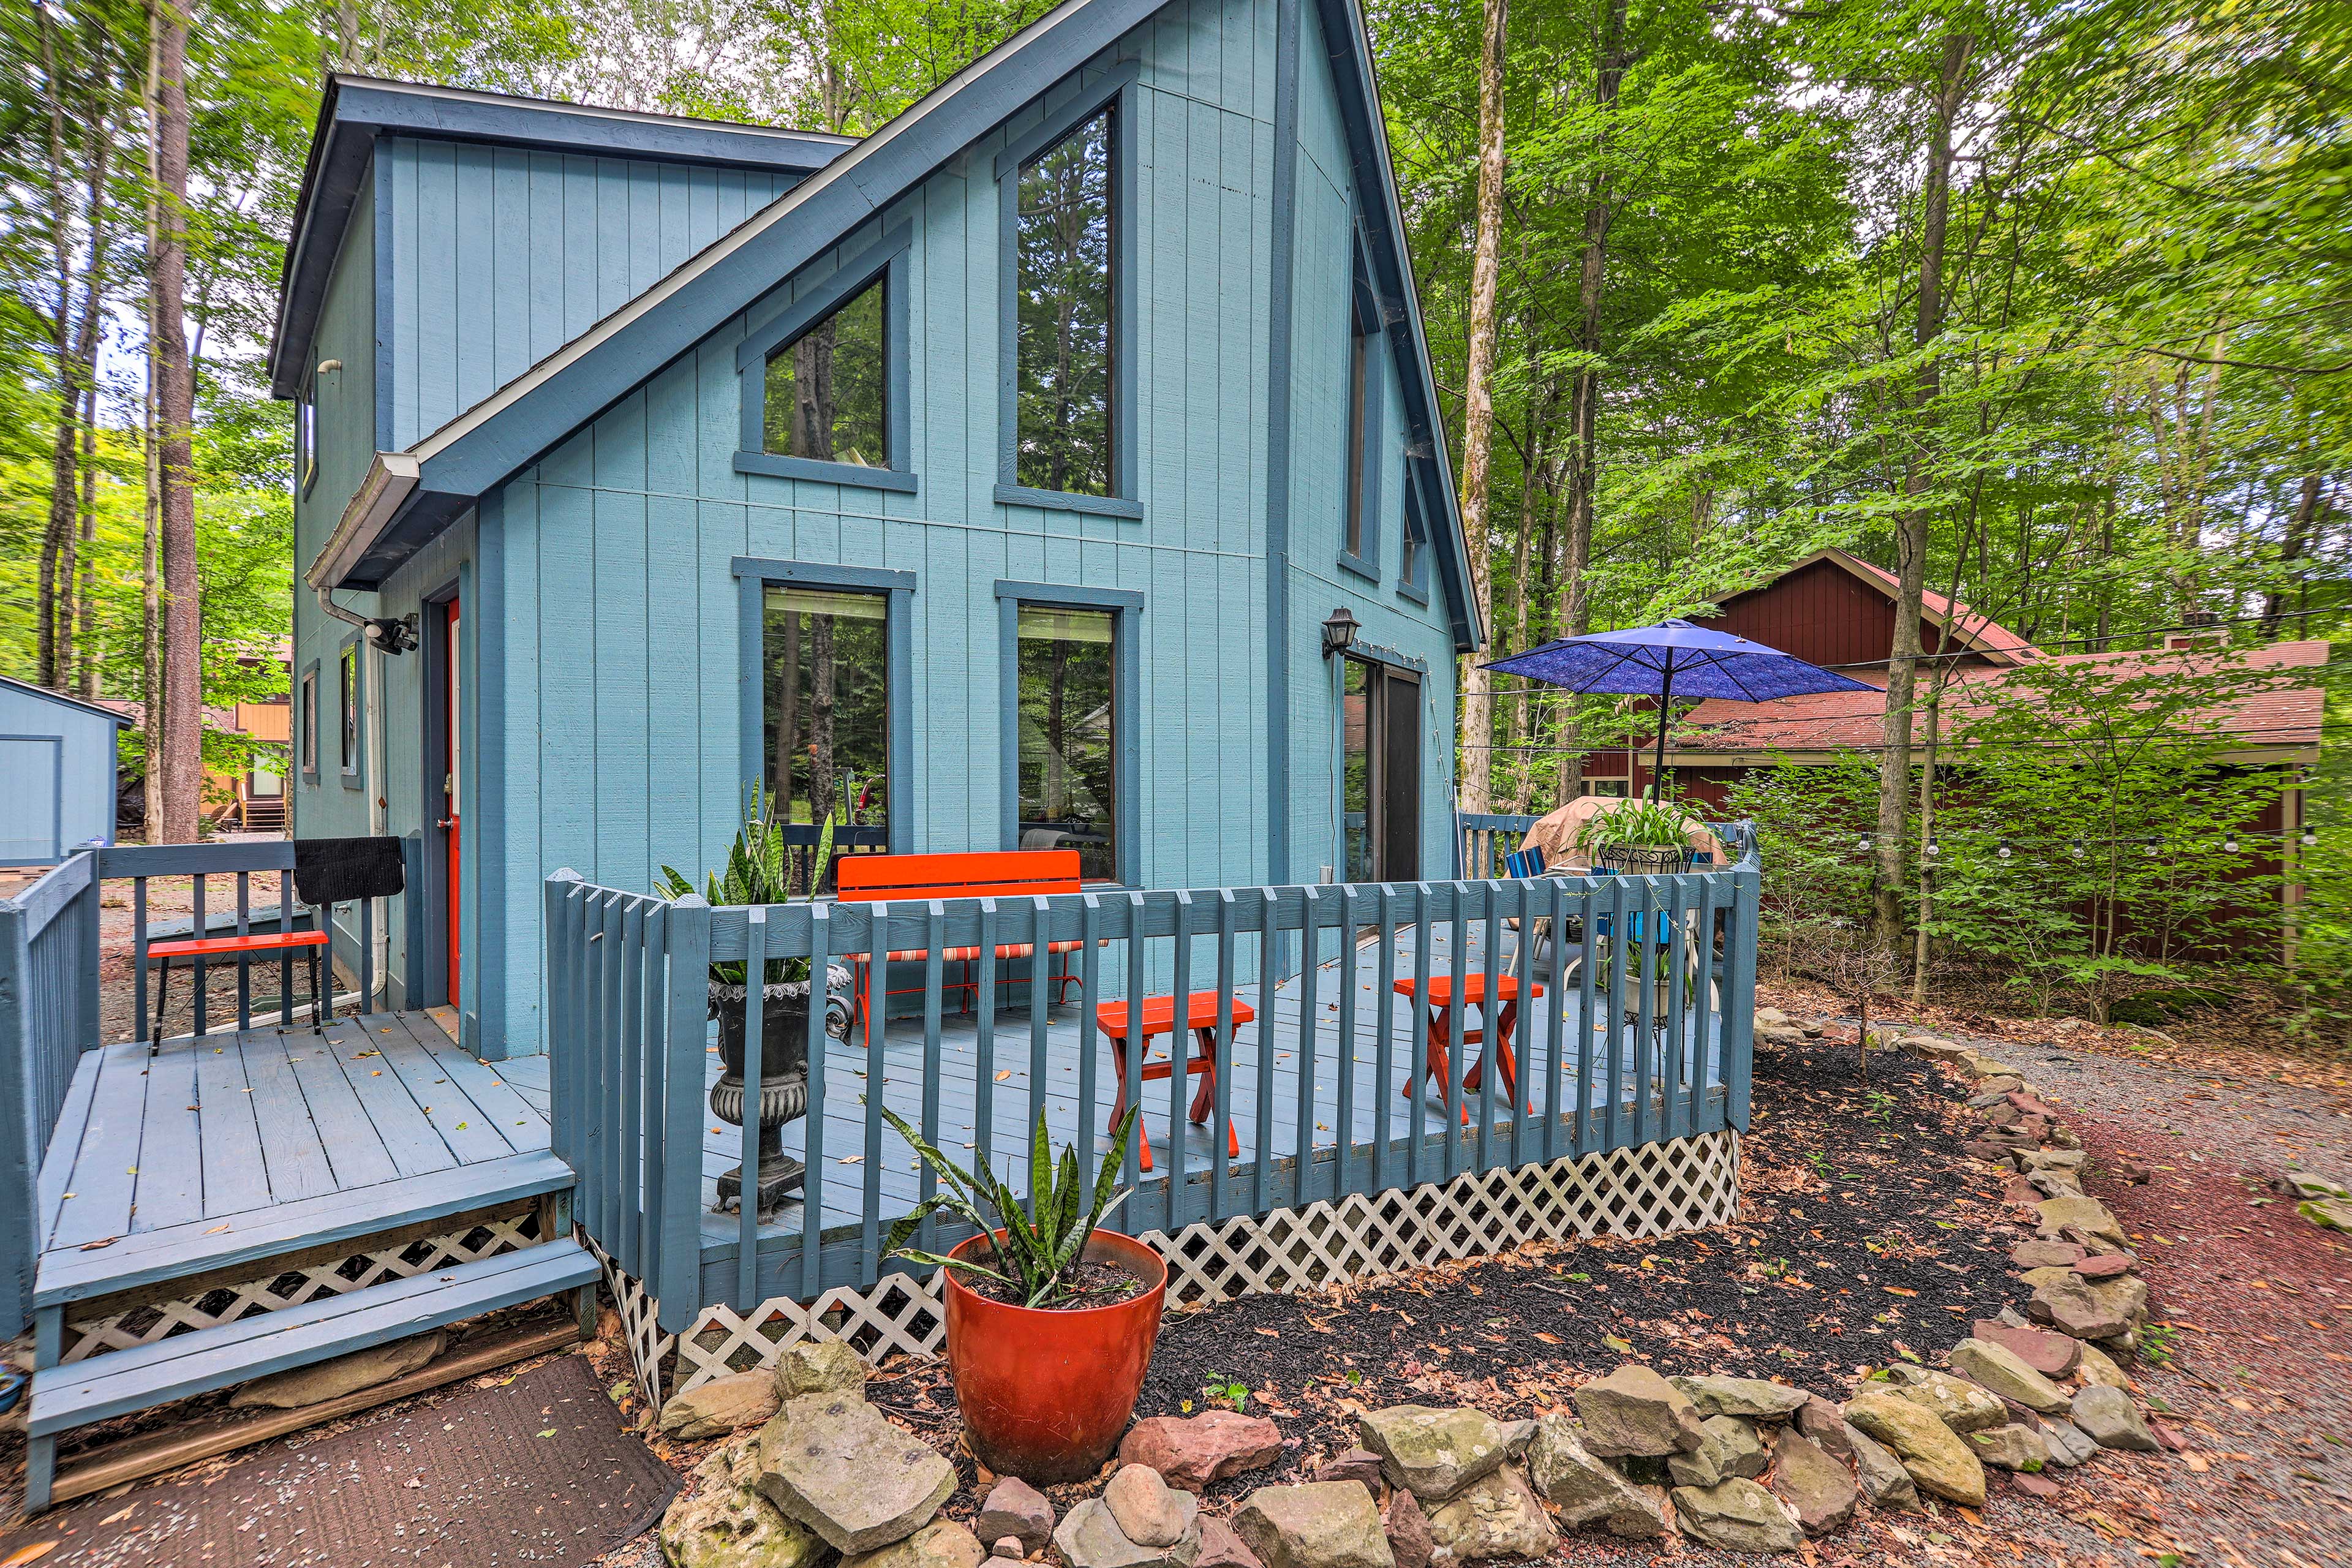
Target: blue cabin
pixel 984 484
pixel 58 759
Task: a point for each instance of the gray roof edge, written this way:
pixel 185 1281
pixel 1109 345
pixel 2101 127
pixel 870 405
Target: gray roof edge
pixel 60 698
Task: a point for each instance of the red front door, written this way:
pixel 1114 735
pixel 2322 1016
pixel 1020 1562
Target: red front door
pixel 451 730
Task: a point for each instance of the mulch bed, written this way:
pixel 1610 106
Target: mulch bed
pixel 1863 1238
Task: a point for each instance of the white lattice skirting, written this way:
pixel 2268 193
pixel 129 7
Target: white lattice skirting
pixel 1656 1189
pixel 290 1288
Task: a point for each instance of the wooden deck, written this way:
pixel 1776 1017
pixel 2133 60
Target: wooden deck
pixel 236 1148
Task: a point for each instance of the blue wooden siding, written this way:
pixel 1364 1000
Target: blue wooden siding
pixel 602 613
pixel 501 255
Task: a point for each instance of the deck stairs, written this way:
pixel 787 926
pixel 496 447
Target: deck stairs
pixel 280 1258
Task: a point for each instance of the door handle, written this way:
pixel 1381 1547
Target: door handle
pixel 445 824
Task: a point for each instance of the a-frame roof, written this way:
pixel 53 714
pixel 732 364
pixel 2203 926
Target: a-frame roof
pixel 408 497
pixel 1979 634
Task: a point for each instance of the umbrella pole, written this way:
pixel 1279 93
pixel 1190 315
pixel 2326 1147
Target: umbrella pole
pixel 1658 768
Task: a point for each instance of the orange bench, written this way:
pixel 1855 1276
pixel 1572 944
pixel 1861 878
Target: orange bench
pixel 1437 1067
pixel 988 874
pixel 241 948
pixel 1159 1018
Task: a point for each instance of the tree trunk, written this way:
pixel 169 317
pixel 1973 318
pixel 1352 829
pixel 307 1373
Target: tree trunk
pixel 2291 550
pixel 1927 837
pixel 1911 527
pixel 1478 404
pixel 85 599
pixel 823 690
pixel 183 728
pixel 788 716
pixel 151 634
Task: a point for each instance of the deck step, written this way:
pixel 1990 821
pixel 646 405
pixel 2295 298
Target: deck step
pixel 119 1382
pixel 149 1257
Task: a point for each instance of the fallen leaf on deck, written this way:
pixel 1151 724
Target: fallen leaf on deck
pixel 101 1241
pixel 218 1228
pixel 33 1554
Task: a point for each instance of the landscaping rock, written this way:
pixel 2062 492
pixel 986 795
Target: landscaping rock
pixel 2056 1183
pixel 2088 1216
pixel 1355 1465
pixel 1090 1537
pixel 2038 1278
pixel 1008 1546
pixel 1633 1411
pixel 2107 1265
pixel 943 1544
pixel 1221 1548
pixel 835 1464
pixel 720 1406
pixel 1737 1516
pixel 1727 1447
pixel 2109 1418
pixel 1883 1479
pixel 1516 1435
pixel 1936 1048
pixel 1407 1528
pixel 2090 1309
pixel 2012 1447
pixel 1319 1524
pixel 2034 1486
pixel 2051 1356
pixel 315 1384
pixel 1936 1458
pixel 1825 1424
pixel 1751 1398
pixel 1995 1367
pixel 1150 1512
pixel 727 1524
pixel 1192 1452
pixel 2099 1367
pixel 2046 1255
pixel 1816 1487
pixel 1963 1406
pixel 809 1367
pixel 1495 1516
pixel 1016 1508
pixel 1585 1489
pixel 2068 1444
pixel 1434 1453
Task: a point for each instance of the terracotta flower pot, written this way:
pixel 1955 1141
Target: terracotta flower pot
pixel 1046 1395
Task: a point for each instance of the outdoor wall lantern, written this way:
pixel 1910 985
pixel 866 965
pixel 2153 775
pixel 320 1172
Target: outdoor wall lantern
pixel 1339 632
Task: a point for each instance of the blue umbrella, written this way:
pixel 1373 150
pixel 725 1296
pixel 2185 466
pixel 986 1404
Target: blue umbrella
pixel 1674 656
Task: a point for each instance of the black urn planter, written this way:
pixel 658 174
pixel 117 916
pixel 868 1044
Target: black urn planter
pixel 783 1083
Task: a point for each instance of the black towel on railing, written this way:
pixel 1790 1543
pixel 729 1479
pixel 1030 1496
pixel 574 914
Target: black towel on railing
pixel 337 870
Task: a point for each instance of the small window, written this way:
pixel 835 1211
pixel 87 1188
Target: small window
pixel 1069 735
pixel 827 706
pixel 827 389
pixel 309 719
pixel 1361 388
pixel 349 668
pixel 1416 547
pixel 1063 293
pixel 306 435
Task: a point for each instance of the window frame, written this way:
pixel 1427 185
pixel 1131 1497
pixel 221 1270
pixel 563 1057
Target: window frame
pixel 1083 101
pixel 1360 430
pixel 887 261
pixel 307 716
pixel 753 576
pixel 306 435
pixel 351 699
pixel 1127 718
pixel 1413 561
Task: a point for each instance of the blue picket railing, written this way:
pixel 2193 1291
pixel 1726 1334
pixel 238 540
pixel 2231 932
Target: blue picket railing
pixel 1486 839
pixel 49 1016
pixel 1649 1051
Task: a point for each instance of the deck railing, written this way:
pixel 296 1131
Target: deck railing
pixel 1652 1054
pixel 1486 839
pixel 49 1016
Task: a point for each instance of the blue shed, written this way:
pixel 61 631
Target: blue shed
pixel 58 758
pixel 987 482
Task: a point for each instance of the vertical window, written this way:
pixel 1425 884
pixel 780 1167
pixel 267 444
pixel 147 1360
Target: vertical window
pixel 826 389
pixel 1356 769
pixel 1360 387
pixel 1063 293
pixel 309 719
pixel 306 436
pixel 827 705
pixel 1069 735
pixel 1416 546
pixel 349 668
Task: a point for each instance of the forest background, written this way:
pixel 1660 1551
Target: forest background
pixel 2044 306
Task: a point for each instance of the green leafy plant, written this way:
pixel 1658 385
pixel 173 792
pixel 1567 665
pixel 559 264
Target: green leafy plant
pixel 2155 1343
pixel 759 871
pixel 1231 1395
pixel 1636 823
pixel 1039 1254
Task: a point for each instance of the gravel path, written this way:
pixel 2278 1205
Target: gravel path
pixel 2260 1383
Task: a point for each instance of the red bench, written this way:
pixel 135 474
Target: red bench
pixel 241 948
pixel 988 874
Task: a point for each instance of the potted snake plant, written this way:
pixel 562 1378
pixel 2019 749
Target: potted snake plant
pixel 759 871
pixel 1050 1321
